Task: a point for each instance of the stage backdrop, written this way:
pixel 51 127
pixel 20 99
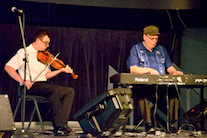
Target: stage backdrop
pixel 88 51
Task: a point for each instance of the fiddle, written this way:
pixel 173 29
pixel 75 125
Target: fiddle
pixel 46 57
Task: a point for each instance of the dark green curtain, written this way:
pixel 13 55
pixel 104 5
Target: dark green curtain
pixel 88 51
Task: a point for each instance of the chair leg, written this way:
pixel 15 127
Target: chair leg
pixel 17 107
pixel 39 116
pixel 31 117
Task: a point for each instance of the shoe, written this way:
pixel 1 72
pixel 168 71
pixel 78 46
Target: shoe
pixel 68 128
pixel 173 129
pixel 149 128
pixel 61 131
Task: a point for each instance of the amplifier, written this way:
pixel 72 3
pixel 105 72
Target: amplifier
pixel 7 126
pixel 108 112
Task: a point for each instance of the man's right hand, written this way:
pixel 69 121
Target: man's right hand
pixel 153 72
pixel 28 84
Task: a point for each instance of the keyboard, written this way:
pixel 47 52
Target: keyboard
pixel 132 78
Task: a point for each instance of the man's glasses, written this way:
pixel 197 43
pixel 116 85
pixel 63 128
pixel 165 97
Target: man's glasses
pixel 46 43
pixel 152 38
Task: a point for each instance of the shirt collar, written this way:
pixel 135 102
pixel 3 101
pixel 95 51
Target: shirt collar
pixel 31 48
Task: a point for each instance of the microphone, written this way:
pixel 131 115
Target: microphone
pixel 14 9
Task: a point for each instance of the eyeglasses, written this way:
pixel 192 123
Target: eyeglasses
pixel 46 43
pixel 152 38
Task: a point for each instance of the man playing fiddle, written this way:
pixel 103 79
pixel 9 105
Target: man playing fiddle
pixel 60 97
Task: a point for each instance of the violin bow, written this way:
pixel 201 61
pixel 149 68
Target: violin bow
pixel 46 67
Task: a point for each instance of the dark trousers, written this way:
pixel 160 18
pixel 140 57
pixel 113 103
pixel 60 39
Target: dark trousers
pixel 60 99
pixel 145 94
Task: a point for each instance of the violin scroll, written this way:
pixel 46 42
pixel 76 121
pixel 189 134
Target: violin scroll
pixel 74 76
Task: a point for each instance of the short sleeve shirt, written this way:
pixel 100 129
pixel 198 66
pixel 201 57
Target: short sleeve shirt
pixel 35 66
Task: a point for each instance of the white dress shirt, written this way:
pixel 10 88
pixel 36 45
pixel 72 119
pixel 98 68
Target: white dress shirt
pixel 35 66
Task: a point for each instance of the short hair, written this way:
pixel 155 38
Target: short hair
pixel 41 33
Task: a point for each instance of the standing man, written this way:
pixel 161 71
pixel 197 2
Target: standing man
pixel 147 57
pixel 60 98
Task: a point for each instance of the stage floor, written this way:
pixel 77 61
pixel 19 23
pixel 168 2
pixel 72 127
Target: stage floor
pixel 36 131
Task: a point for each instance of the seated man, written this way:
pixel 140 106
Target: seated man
pixel 60 97
pixel 147 57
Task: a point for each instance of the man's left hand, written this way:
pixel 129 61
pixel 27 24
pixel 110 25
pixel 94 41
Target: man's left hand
pixel 178 73
pixel 67 69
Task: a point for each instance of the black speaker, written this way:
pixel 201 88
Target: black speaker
pixel 194 116
pixel 108 112
pixel 7 126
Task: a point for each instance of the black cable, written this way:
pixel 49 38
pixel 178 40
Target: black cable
pixel 156 103
pixel 182 20
pixel 171 24
pixel 167 100
pixel 178 93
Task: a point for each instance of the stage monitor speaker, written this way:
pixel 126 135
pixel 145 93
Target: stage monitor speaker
pixel 7 126
pixel 194 116
pixel 108 112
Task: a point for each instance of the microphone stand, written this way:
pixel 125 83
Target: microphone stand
pixel 23 133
